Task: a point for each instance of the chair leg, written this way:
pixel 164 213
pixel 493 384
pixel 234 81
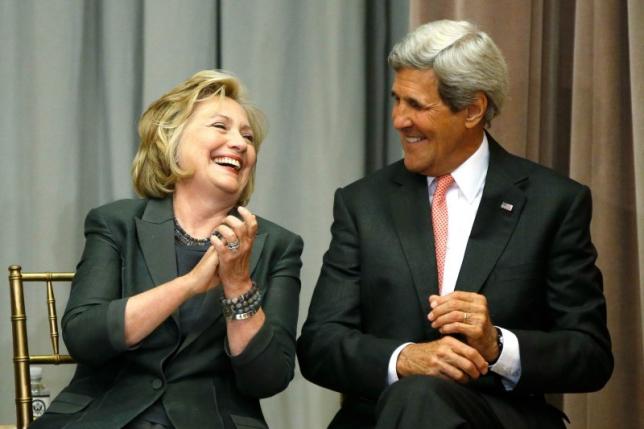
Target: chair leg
pixel 24 414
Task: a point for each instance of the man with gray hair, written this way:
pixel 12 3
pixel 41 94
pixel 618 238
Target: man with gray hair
pixel 460 284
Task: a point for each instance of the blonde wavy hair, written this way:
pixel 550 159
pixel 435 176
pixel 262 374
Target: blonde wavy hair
pixel 155 170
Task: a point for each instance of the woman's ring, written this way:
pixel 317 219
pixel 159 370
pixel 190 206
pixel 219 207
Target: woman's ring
pixel 233 246
pixel 466 316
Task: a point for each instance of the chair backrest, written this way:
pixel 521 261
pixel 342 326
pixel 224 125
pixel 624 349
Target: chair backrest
pixel 21 357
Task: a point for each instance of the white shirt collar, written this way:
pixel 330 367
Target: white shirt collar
pixel 470 175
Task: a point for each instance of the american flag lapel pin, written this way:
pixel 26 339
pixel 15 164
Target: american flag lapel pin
pixel 507 206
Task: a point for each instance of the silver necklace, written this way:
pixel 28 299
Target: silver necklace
pixel 181 236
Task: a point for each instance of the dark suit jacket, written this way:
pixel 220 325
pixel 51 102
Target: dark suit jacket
pixel 130 248
pixel 535 264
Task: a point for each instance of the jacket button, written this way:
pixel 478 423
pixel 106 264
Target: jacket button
pixel 157 383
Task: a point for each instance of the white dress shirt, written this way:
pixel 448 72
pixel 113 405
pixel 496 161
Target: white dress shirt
pixel 463 198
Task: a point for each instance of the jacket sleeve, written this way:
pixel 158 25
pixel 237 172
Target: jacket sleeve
pixel 267 364
pixel 333 351
pixel 93 322
pixel 573 352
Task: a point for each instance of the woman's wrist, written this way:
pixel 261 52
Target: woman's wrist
pixel 235 289
pixel 242 306
pixel 189 285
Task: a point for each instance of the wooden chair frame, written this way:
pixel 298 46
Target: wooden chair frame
pixel 21 357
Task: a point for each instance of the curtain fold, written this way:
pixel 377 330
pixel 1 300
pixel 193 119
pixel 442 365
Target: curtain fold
pixel 575 105
pixel 386 22
pixel 602 156
pixel 635 14
pixel 377 77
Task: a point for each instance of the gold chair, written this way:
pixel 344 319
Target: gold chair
pixel 21 357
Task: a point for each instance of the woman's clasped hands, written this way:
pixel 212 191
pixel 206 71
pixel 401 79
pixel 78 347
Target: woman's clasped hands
pixel 227 260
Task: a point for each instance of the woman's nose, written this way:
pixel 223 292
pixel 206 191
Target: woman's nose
pixel 237 141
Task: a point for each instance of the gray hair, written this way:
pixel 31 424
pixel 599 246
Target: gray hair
pixel 464 59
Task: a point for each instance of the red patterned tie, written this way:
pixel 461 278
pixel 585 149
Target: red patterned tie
pixel 439 221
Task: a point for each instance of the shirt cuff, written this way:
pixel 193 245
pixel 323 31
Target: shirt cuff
pixel 392 374
pixel 508 366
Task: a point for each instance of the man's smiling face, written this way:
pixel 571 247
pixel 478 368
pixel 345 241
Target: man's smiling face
pixel 435 140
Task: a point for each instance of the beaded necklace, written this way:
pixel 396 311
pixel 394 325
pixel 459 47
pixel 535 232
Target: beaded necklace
pixel 186 239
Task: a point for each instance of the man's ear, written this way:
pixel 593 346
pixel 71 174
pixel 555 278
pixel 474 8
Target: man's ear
pixel 476 110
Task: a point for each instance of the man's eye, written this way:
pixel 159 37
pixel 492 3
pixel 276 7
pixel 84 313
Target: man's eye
pixel 415 105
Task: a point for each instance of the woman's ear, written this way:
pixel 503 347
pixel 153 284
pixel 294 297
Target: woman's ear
pixel 476 110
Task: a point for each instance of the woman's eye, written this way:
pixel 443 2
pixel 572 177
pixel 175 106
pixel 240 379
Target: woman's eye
pixel 250 138
pixel 219 125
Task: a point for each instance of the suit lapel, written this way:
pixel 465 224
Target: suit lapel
pixel 496 219
pixel 211 308
pixel 258 246
pixel 409 207
pixel 155 231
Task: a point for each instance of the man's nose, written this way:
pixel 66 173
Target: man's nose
pixel 400 118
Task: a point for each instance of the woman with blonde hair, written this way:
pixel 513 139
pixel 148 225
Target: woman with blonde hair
pixel 184 306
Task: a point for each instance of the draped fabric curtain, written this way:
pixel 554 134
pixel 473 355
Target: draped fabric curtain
pixel 304 64
pixel 75 76
pixel 387 23
pixel 575 105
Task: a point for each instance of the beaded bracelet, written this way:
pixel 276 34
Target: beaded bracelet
pixel 243 306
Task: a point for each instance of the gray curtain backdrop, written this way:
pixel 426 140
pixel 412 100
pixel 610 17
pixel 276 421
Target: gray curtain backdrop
pixel 75 76
pixel 387 23
pixel 303 62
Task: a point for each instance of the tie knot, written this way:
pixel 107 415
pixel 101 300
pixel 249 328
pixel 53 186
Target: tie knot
pixel 442 184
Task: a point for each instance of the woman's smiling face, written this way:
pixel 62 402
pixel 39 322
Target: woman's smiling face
pixel 217 146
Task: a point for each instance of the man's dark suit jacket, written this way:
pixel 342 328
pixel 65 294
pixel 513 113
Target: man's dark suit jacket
pixel 130 248
pixel 535 264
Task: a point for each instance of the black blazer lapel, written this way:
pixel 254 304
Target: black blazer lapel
pixel 258 246
pixel 410 211
pixel 155 231
pixel 496 219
